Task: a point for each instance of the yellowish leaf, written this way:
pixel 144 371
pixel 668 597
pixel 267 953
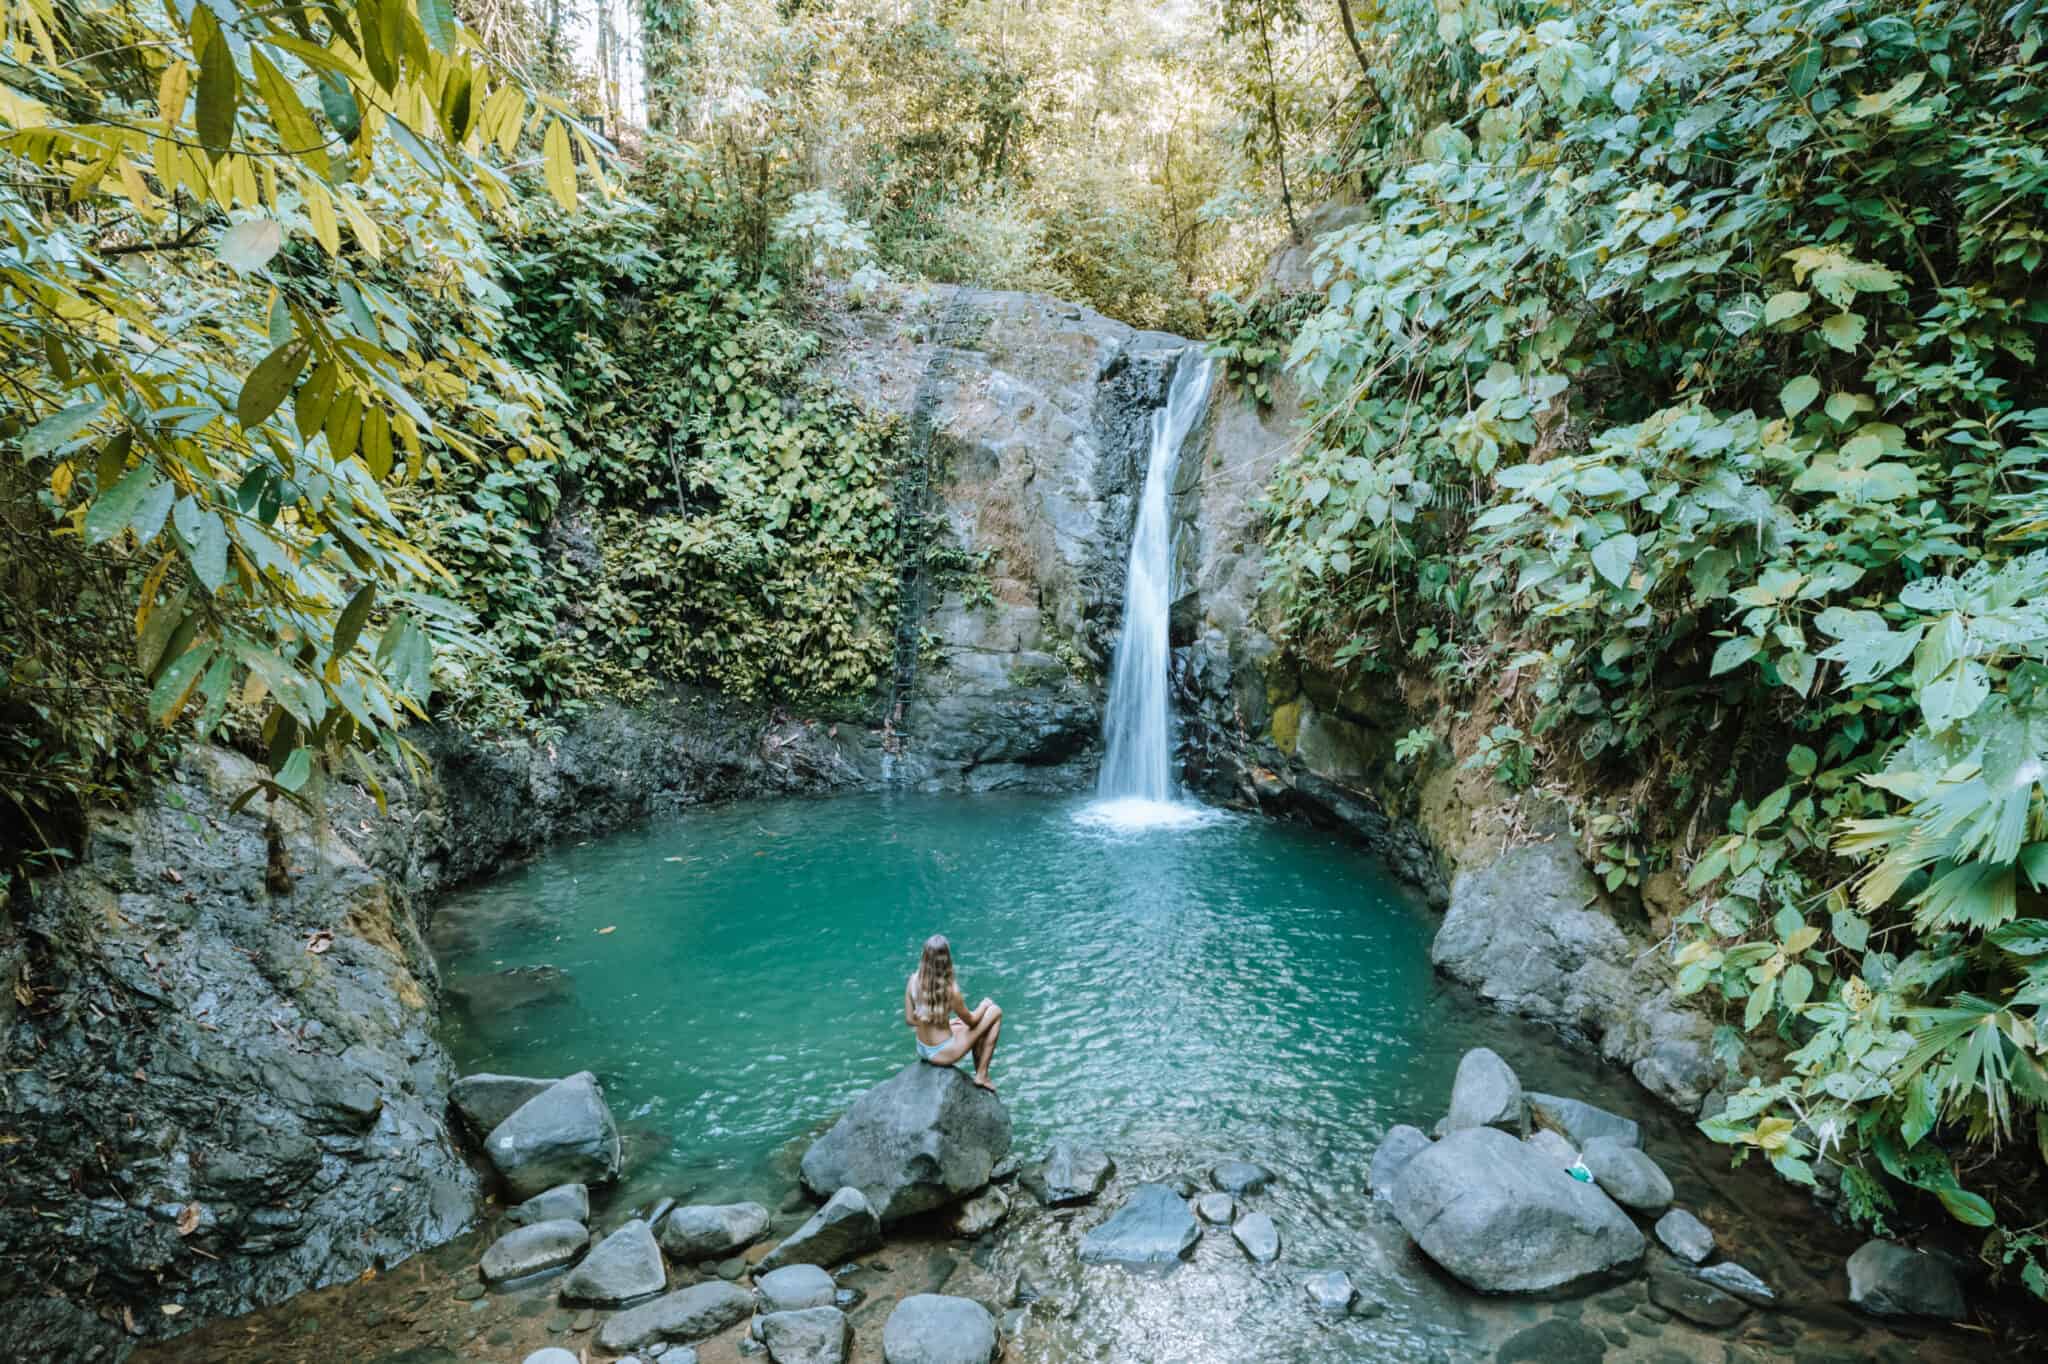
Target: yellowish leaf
pixel 320 208
pixel 560 166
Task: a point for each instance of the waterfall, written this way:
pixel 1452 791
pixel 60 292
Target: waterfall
pixel 1137 773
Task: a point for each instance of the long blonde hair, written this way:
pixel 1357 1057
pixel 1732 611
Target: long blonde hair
pixel 934 985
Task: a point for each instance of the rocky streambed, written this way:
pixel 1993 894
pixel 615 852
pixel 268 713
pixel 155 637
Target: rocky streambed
pixel 1533 1228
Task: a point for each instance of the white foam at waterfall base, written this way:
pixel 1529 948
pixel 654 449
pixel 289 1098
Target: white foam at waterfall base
pixel 1136 786
pixel 1135 814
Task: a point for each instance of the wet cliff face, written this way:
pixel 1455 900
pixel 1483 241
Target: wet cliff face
pixel 1030 419
pixel 220 1085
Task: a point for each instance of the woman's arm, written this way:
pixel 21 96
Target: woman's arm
pixel 909 1015
pixel 971 1017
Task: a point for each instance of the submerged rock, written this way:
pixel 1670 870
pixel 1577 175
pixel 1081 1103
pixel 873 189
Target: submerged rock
pixel 845 1227
pixel 706 1231
pixel 1485 1093
pixel 1685 1236
pixel 1887 1279
pixel 623 1267
pixel 562 1135
pixel 1153 1226
pixel 485 1100
pixel 1629 1177
pixel 1068 1175
pixel 795 1287
pixel 1330 1291
pixel 1258 1237
pixel 688 1314
pixel 569 1202
pixel 1581 1122
pixel 1555 1341
pixel 553 1354
pixel 809 1335
pixel 928 1328
pixel 926 1137
pixel 531 1250
pixel 1216 1208
pixel 1396 1149
pixel 1241 1177
pixel 1679 1290
pixel 1503 1219
pixel 492 994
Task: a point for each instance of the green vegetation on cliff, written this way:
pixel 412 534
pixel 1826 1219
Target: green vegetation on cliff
pixel 1682 369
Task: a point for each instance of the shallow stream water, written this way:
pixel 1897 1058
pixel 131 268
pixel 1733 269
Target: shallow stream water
pixel 1175 995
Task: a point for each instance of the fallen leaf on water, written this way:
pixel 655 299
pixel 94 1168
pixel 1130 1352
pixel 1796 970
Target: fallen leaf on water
pixel 369 1275
pixel 128 1319
pixel 319 942
pixel 174 876
pixel 609 928
pixel 172 1309
pixel 188 1220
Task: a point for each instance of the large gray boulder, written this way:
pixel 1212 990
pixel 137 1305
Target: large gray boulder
pixel 1153 1226
pixel 1581 1122
pixel 927 1328
pixel 845 1227
pixel 1887 1279
pixel 926 1137
pixel 485 1100
pixel 1401 1145
pixel 795 1287
pixel 1627 1176
pixel 563 1135
pixel 624 1267
pixel 809 1335
pixel 1502 1219
pixel 688 1314
pixel 707 1231
pixel 531 1250
pixel 1485 1093
pixel 1069 1174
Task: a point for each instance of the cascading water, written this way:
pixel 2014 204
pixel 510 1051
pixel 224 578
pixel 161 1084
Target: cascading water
pixel 1136 786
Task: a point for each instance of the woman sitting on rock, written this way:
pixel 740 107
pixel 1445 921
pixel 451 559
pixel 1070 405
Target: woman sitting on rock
pixel 937 1014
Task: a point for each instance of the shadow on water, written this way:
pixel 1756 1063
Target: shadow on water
pixel 1233 987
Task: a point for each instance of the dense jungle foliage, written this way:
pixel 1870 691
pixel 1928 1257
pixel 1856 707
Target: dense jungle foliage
pixel 1674 361
pixel 1683 370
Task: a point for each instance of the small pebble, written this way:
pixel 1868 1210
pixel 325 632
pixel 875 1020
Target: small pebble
pixel 585 1319
pixel 469 1292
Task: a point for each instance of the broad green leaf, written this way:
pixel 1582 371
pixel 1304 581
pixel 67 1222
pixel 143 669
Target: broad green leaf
pixel 175 683
pixel 1798 395
pixel 1801 761
pixel 1844 331
pixel 1785 305
pixel 1851 930
pixel 113 510
pixel 297 768
pixel 59 427
pixel 204 538
pixel 437 17
pixel 220 84
pixel 353 617
pixel 267 386
pixel 1614 557
pixel 296 130
pixel 1735 652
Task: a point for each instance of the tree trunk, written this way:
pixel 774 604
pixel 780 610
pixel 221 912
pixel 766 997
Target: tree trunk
pixel 1273 118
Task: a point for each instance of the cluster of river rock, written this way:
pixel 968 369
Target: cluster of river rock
pixel 1516 1193
pixel 1533 1193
